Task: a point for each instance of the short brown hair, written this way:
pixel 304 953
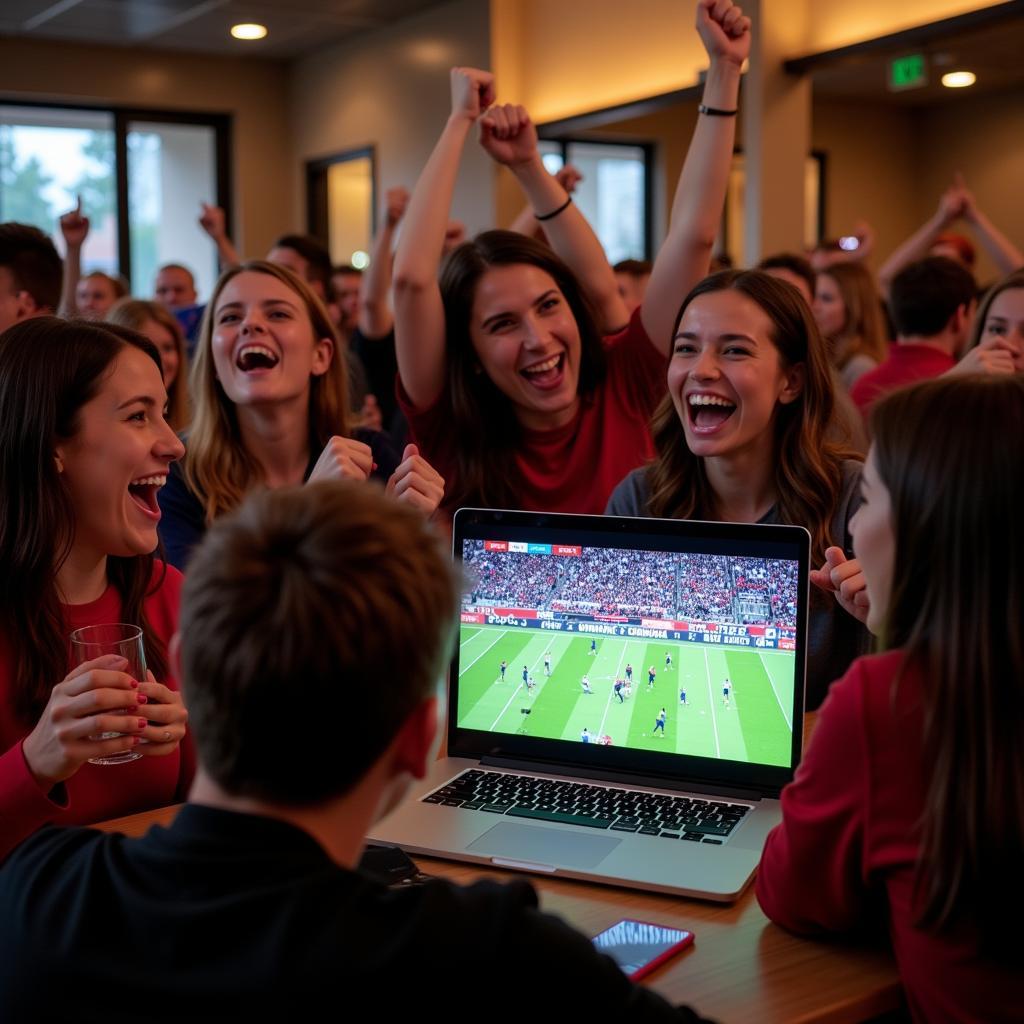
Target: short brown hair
pixel 314 621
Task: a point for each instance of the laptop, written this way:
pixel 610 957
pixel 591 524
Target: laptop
pixel 626 700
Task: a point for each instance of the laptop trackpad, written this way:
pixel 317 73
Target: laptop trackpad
pixel 544 845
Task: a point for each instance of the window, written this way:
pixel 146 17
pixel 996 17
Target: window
pixel 49 157
pixel 613 194
pixel 141 176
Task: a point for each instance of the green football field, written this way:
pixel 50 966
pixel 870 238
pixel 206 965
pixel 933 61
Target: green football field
pixel 755 726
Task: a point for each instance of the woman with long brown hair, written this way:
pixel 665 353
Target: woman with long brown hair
pixel 270 400
pixel 745 436
pixel 848 310
pixel 911 796
pixel 84 448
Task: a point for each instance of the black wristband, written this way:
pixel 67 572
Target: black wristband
pixel 554 213
pixel 716 111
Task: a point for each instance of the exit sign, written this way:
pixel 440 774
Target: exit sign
pixel 908 72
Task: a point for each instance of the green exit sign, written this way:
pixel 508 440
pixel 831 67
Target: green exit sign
pixel 908 72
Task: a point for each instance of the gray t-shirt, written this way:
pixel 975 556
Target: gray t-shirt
pixel 835 638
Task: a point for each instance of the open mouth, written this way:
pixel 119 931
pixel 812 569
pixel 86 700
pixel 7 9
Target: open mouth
pixel 708 412
pixel 545 374
pixel 143 493
pixel 255 357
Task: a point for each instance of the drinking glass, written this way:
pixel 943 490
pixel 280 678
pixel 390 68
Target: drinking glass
pixel 124 640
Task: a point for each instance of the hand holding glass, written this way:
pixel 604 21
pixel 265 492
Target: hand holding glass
pixel 125 641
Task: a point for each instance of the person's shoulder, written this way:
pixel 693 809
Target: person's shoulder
pixel 630 496
pixel 32 858
pixel 867 680
pixel 631 333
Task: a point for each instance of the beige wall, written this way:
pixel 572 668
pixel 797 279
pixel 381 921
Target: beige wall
pixel 889 164
pixel 574 56
pixel 390 89
pixel 579 55
pixel 983 137
pixel 871 169
pixel 835 24
pixel 251 90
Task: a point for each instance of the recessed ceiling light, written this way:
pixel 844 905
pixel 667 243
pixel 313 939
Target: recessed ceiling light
pixel 958 79
pixel 249 31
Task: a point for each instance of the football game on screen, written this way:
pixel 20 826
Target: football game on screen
pixel 677 652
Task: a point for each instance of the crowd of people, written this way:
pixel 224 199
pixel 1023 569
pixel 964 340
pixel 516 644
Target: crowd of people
pixel 629 583
pixel 518 369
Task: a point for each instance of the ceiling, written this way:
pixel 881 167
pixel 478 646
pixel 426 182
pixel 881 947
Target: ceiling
pixel 993 52
pixel 295 28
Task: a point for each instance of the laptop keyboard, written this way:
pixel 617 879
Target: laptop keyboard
pixel 576 803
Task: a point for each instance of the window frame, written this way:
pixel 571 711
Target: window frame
pixel 565 141
pixel 221 123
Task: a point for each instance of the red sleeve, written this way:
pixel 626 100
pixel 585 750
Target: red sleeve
pixel 430 428
pixel 636 369
pixel 24 807
pixel 812 876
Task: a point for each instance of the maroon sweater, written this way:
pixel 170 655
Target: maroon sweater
pixel 95 792
pixel 848 842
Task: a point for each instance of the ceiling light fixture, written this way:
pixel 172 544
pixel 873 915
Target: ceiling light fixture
pixel 959 79
pixel 249 31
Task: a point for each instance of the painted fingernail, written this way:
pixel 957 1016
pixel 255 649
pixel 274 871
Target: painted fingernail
pixel 374 467
pixel 142 698
pixel 135 684
pixel 131 710
pixel 136 740
pixel 143 723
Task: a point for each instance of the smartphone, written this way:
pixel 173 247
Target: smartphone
pixel 638 947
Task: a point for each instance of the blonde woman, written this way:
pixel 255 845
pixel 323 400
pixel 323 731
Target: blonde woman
pixel 271 410
pixel 154 322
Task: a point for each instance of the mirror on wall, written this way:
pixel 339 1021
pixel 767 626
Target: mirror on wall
pixel 341 204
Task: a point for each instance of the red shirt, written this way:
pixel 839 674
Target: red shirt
pixel 573 468
pixel 848 838
pixel 907 363
pixel 95 792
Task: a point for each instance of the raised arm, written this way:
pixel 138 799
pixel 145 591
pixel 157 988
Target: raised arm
pixel 375 316
pixel 509 136
pixel 419 313
pixel 685 255
pixel 214 223
pixel 951 207
pixel 1006 256
pixel 74 226
pixel 526 223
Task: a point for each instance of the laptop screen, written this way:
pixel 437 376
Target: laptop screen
pixel 672 643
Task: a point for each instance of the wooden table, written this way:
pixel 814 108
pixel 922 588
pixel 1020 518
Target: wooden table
pixel 740 968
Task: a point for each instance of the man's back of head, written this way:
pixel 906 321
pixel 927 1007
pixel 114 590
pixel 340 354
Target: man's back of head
pixel 926 296
pixel 31 274
pixel 326 596
pixel 313 620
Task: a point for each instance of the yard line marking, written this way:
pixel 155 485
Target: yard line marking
pixel 482 653
pixel 776 692
pixel 611 689
pixel 529 672
pixel 714 718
